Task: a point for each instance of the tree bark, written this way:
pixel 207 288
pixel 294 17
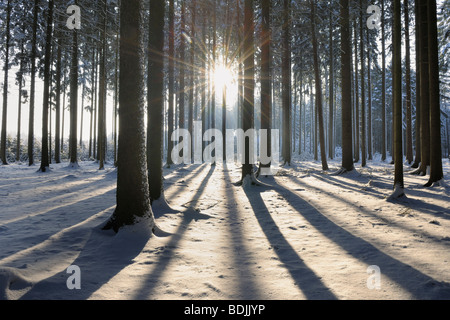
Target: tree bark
pixel 383 83
pixel 363 88
pixel 5 84
pixel 133 201
pixel 286 83
pixel 436 171
pixel 266 76
pixel 424 90
pixel 155 99
pixel 397 100
pixel 74 99
pixel 249 85
pixel 171 61
pixel 409 140
pixel 45 162
pixel 318 82
pixel 346 87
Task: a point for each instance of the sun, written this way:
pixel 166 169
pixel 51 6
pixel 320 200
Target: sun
pixel 223 76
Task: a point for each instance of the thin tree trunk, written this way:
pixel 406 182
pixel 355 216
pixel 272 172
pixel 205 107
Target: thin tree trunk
pixel 74 99
pixel 383 83
pixel 45 161
pixel 436 171
pixel 418 156
pixel 409 141
pixel 155 98
pixel 363 89
pixel 331 93
pixel 318 81
pixel 397 100
pixel 369 103
pixel 171 60
pixel 249 86
pixel 58 98
pixel 346 83
pixel 192 75
pixel 19 108
pixel 266 77
pixel 5 84
pixel 286 84
pixel 357 119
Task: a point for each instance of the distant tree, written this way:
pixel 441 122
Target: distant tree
pixel 397 100
pixel 318 83
pixel 266 78
pixel 171 61
pixel 249 88
pixel 286 83
pixel 346 87
pixel 362 27
pixel 74 98
pixel 45 161
pixel 383 82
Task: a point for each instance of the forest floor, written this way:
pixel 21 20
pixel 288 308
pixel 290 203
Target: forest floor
pixel 311 235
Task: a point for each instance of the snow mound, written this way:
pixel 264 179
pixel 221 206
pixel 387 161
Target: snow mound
pixel 12 283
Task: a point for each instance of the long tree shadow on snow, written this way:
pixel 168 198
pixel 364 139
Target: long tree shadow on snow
pixel 247 288
pixel 105 254
pixel 305 278
pixel 153 279
pixel 418 284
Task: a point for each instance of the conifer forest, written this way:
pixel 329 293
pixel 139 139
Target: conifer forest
pixel 229 150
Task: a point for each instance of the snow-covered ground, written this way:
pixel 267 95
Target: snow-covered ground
pixel 312 235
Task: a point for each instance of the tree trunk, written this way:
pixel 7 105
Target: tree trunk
pixel 436 171
pixel 357 116
pixel 346 83
pixel 133 201
pixel 74 99
pixel 286 83
pixel 249 86
pixel 397 100
pixel 331 93
pixel 58 97
pixel 182 116
pixel 5 84
pixel 383 83
pixel 45 162
pixel 418 156
pixel 318 82
pixel 192 76
pixel 424 90
pixel 171 60
pixel 409 141
pixel 266 77
pixel 19 108
pixel 101 151
pixel 363 88
pixel 369 103
pixel 155 98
